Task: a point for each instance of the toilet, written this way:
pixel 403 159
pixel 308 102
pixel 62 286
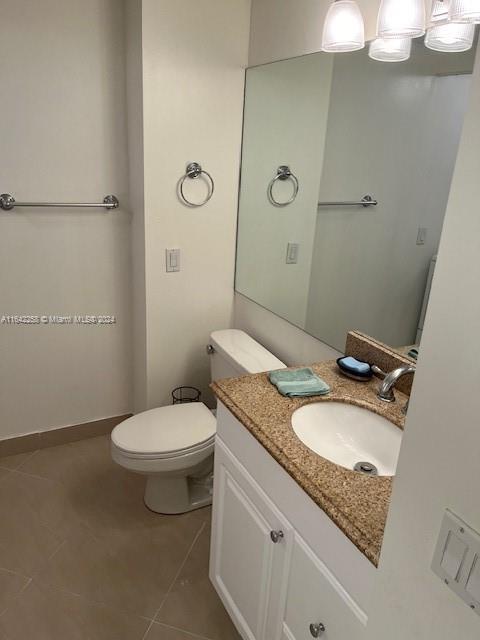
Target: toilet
pixel 173 446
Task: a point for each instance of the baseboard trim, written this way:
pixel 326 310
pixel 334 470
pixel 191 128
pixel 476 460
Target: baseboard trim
pixel 63 435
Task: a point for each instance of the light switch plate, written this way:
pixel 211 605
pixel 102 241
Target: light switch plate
pixel 421 235
pixel 292 252
pixel 172 259
pixel 457 559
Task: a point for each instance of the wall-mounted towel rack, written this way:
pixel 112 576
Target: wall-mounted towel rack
pixel 194 170
pixel 366 201
pixel 8 202
pixel 283 173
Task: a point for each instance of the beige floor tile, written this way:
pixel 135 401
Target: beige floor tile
pixel 131 572
pixel 11 584
pixel 192 604
pixel 76 522
pixel 25 499
pixel 102 495
pixel 25 543
pixel 4 472
pixel 14 462
pixel 161 632
pixel 44 614
pixel 70 462
pixel 204 515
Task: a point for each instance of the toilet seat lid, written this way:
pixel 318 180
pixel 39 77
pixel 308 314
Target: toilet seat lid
pixel 166 430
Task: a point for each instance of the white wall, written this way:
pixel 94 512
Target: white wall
pixel 285 123
pixel 438 465
pixel 287 342
pixel 62 128
pixel 393 132
pixel 135 128
pixel 194 55
pixel 288 28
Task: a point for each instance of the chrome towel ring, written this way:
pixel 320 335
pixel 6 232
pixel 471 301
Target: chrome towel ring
pixel 283 173
pixel 194 170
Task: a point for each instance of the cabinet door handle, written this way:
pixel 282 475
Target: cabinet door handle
pixel 317 629
pixel 276 536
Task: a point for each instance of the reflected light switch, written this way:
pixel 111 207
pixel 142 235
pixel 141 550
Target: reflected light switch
pixel 292 252
pixel 453 555
pixel 473 584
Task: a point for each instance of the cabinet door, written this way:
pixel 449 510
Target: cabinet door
pixel 317 604
pixel 248 568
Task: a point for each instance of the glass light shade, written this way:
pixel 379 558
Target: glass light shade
pixel 401 19
pixel 344 29
pixel 465 11
pixel 450 37
pixel 390 49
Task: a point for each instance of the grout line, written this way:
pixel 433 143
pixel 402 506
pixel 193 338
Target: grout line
pixel 187 633
pixel 198 534
pixel 27 459
pixel 14 573
pixel 52 555
pixel 25 586
pixel 32 453
pixel 32 475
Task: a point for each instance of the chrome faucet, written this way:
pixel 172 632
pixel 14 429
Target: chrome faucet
pixel 385 390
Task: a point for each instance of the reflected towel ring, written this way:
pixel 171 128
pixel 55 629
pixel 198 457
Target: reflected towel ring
pixel 283 173
pixel 194 170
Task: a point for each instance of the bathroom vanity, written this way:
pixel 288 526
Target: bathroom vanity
pixel 295 537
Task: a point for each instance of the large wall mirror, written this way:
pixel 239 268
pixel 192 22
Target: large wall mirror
pixel 347 127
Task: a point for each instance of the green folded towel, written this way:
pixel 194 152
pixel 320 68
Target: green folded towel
pixel 300 383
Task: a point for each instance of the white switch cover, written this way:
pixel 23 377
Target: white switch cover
pixel 457 559
pixel 454 554
pixel 292 252
pixel 172 257
pixel 421 235
pixel 473 582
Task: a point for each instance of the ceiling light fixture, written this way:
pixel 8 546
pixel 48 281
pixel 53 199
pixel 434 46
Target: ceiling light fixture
pixel 344 28
pixel 465 11
pixel 444 35
pixel 390 49
pixel 401 19
pixel 451 37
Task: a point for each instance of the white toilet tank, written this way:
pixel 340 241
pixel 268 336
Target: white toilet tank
pixel 234 353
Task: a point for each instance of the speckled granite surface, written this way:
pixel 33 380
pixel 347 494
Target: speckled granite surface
pixel 365 348
pixel 357 504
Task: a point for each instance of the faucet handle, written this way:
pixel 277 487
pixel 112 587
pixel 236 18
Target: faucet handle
pixel 377 371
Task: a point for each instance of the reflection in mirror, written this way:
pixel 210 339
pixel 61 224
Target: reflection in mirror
pixel 347 127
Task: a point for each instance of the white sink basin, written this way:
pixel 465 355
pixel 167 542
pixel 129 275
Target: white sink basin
pixel 348 435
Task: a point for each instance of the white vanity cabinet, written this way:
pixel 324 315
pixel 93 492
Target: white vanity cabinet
pixel 250 550
pixel 317 605
pixel 274 583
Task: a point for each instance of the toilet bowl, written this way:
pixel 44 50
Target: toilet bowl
pixel 173 446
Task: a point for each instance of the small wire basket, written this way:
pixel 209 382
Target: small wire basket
pixel 182 395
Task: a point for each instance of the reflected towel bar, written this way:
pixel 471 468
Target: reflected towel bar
pixel 8 202
pixel 366 201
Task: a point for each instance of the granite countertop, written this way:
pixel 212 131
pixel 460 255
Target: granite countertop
pixel 357 504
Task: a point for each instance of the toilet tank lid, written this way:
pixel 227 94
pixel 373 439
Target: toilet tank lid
pixel 244 352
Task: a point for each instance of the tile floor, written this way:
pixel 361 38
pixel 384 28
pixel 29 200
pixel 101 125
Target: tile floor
pixel 81 558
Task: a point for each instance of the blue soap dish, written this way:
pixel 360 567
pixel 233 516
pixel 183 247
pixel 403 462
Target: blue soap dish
pixel 355 369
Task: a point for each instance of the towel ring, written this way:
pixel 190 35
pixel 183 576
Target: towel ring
pixel 194 170
pixel 283 173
